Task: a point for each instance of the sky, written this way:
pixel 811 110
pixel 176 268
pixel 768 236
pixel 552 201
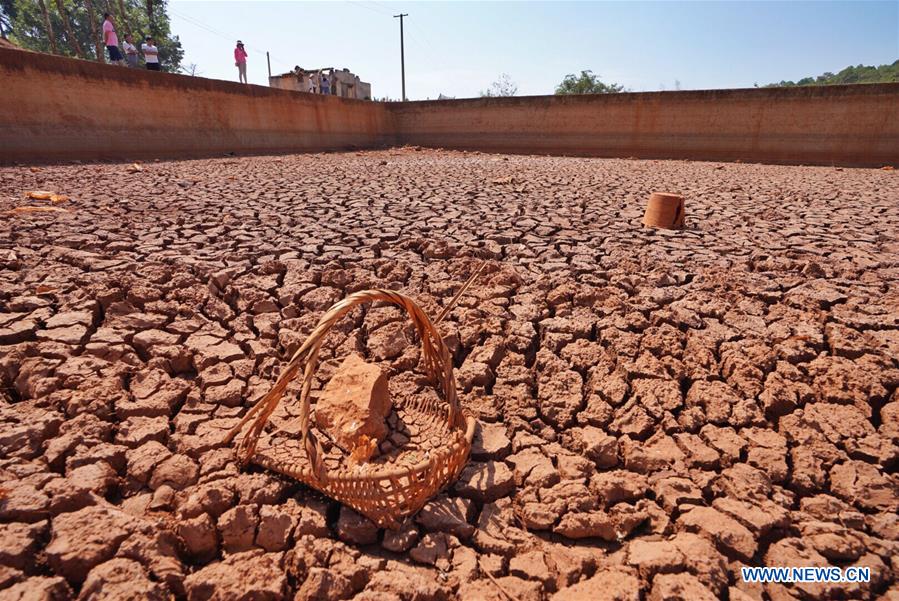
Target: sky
pixel 458 48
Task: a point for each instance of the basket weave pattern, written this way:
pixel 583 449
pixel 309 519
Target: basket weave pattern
pixel 389 487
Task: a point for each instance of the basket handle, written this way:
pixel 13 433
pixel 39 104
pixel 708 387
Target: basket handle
pixel 437 360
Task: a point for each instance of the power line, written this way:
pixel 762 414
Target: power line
pixel 221 34
pixel 201 25
pixel 366 7
pixel 425 46
pixel 384 9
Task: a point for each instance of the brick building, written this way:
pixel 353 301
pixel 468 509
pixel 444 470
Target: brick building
pixel 342 82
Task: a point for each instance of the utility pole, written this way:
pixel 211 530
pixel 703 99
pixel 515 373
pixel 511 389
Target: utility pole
pixel 402 54
pixel 269 61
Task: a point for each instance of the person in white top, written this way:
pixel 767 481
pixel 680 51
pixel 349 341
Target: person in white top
pixel 130 51
pixel 151 54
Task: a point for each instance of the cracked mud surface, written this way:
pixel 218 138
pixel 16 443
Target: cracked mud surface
pixel 657 409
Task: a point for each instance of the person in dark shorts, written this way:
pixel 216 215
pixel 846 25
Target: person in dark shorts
pixel 151 54
pixel 111 40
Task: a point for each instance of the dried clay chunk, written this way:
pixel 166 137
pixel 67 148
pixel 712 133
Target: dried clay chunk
pixel 353 407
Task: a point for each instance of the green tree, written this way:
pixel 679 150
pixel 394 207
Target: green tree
pixel 858 74
pixel 7 14
pixel 587 83
pixel 29 30
pixel 503 86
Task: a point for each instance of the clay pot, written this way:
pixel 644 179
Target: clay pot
pixel 665 211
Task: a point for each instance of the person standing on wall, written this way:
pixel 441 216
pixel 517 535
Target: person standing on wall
pixel 130 51
pixel 326 85
pixel 240 61
pixel 111 39
pixel 151 54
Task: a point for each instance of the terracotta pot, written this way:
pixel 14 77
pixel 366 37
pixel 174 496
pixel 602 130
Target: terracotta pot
pixel 665 211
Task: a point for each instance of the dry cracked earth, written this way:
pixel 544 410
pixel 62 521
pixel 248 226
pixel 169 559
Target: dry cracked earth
pixel 657 409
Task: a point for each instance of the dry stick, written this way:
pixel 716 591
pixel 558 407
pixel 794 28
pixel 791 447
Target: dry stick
pixel 462 290
pixel 34 209
pixel 499 586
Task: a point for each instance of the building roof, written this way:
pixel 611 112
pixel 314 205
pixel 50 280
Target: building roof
pixel 293 72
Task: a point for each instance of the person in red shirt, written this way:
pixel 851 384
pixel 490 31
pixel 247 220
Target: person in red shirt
pixel 240 61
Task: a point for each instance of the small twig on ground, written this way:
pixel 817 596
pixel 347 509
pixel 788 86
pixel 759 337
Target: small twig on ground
pixel 462 290
pixel 499 586
pixel 33 209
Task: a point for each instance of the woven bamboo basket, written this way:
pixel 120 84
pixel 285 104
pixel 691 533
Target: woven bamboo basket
pixel 390 486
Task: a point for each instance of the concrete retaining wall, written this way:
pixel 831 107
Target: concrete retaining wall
pixel 850 125
pixel 59 108
pixel 54 108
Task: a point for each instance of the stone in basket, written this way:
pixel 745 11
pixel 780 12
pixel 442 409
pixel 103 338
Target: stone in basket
pixel 392 485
